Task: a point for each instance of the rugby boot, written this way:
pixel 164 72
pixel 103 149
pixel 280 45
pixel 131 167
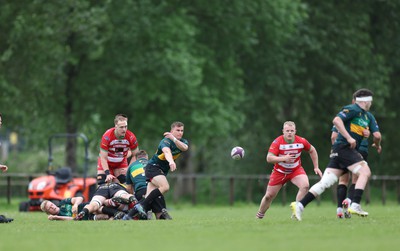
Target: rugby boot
pixel 356 209
pixel 297 210
pixel 345 207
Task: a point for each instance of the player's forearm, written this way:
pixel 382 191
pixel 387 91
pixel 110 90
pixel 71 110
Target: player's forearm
pixel 377 138
pixel 314 158
pixel 182 146
pixel 271 158
pixel 338 122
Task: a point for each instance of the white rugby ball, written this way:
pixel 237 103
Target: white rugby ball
pixel 237 153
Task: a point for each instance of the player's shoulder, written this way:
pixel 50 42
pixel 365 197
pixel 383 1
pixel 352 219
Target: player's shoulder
pixel 300 139
pixel 130 133
pixel 107 134
pixel 370 115
pixel 165 142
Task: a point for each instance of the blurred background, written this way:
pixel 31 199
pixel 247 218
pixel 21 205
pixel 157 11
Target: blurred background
pixel 231 71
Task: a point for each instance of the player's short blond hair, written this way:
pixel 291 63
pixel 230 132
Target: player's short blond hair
pixel 289 123
pixel 43 206
pixel 120 117
pixel 177 124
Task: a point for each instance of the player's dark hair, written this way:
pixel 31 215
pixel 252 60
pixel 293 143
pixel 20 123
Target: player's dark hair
pixel 363 93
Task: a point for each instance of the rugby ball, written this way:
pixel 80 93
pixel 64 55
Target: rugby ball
pixel 237 153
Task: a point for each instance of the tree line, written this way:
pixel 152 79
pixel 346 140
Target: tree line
pixel 232 71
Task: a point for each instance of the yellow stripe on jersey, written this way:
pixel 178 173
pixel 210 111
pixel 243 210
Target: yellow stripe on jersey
pixel 162 156
pixel 137 172
pixel 357 129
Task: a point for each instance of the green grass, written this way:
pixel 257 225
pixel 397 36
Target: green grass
pixel 209 228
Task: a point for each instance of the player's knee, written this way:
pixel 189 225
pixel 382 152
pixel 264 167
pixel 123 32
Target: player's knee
pixel 328 179
pixel 362 169
pixel 95 204
pixel 163 189
pixel 122 178
pixel 101 179
pixel 268 197
pixel 344 179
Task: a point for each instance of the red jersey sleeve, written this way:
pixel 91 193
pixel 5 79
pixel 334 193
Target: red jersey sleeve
pixel 105 139
pixel 274 147
pixel 307 145
pixel 133 143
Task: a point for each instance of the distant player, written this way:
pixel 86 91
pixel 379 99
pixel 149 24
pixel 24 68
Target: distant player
pixel 117 145
pixel 351 121
pixel 284 153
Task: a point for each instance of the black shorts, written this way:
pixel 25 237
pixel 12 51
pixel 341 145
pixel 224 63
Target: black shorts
pixel 153 170
pixel 364 155
pixel 342 156
pixel 108 190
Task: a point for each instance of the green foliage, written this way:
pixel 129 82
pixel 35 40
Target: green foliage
pixel 232 71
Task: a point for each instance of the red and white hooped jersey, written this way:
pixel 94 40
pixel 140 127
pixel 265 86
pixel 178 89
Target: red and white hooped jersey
pixel 279 147
pixel 117 148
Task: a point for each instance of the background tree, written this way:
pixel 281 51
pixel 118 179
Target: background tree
pixel 232 71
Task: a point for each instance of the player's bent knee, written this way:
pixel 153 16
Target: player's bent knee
pixel 362 169
pixel 97 203
pixel 328 179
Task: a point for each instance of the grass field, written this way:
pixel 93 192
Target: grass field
pixel 205 228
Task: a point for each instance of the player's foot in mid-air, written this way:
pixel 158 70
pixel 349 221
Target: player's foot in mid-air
pixel 356 209
pixel 297 210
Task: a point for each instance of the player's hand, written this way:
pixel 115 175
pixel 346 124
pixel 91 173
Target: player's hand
pixel 110 177
pixel 289 158
pixel 4 168
pixel 318 172
pixel 172 166
pixel 378 148
pixel 169 135
pixel 75 209
pixel 366 133
pixel 352 142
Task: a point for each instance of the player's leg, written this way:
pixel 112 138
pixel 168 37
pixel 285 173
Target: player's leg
pixel 94 205
pixel 267 199
pixel 329 178
pixel 300 179
pixel 350 193
pixel 341 192
pixel 123 197
pixel 275 183
pixel 362 170
pixel 120 174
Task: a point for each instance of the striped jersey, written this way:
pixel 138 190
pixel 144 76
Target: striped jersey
pixel 279 147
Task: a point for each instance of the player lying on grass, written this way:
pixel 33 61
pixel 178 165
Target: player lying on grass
pixel 68 209
pixel 104 192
